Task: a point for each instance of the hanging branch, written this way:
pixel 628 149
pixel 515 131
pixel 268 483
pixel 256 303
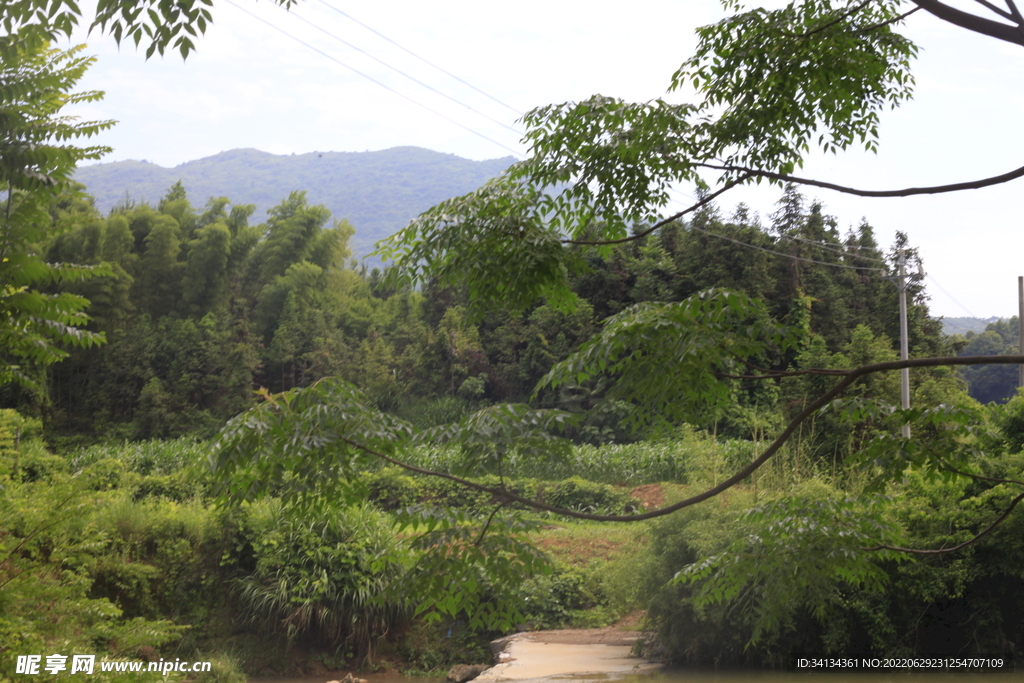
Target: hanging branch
pixel 939 551
pixel 905 192
pixel 849 377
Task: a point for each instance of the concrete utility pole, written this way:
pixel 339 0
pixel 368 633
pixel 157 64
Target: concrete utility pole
pixel 1020 328
pixel 905 342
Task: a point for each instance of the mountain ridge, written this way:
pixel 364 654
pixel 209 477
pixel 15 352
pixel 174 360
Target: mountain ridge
pixel 964 324
pixel 378 192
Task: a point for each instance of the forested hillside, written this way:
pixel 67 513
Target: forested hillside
pixel 991 382
pixel 202 307
pixel 965 325
pixel 377 192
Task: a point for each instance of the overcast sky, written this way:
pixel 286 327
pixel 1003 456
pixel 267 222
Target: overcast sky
pixel 250 85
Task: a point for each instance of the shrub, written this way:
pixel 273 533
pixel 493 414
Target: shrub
pixel 329 576
pixel 49 543
pixel 223 669
pixel 391 489
pixel 803 598
pixel 584 496
pixel 558 600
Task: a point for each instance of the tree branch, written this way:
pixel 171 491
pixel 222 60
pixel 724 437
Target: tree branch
pixel 986 27
pixel 1015 12
pixel 982 477
pixel 487 525
pixel 880 24
pixel 842 15
pixel 1001 12
pixel 850 377
pixel 665 221
pixel 939 551
pixel 988 529
pixel 906 192
pixel 786 373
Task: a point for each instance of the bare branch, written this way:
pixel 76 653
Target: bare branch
pixel 982 477
pixel 986 27
pixel 986 530
pixel 1015 12
pixel 665 221
pixel 1001 12
pixel 12 577
pixel 906 192
pixel 786 373
pixel 487 525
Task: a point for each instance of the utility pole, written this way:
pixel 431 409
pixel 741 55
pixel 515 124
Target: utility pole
pixel 905 342
pixel 1020 328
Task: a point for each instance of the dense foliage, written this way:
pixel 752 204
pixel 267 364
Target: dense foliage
pixel 553 305
pixel 37 158
pixel 200 307
pixel 992 383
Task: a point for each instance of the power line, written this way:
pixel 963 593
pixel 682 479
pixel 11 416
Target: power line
pixel 422 59
pixel 779 253
pixel 399 71
pixel 951 297
pixel 370 78
pixel 826 247
pixel 837 250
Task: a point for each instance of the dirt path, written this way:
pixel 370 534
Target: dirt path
pixel 540 654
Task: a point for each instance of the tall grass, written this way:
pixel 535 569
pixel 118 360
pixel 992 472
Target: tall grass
pixel 144 457
pixel 689 456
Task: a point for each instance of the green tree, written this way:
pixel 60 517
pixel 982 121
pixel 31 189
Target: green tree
pixel 162 24
pixel 206 281
pixel 36 162
pixel 158 283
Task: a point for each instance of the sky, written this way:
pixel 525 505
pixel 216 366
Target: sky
pixel 252 83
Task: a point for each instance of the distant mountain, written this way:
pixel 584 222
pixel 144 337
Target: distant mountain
pixel 963 325
pixel 378 192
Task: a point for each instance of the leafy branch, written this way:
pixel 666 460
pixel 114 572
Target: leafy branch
pixel 977 537
pixel 229 452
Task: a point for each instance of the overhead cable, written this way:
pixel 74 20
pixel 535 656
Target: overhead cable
pixel 834 248
pixel 422 59
pixel 399 71
pixel 371 78
pixel 951 298
pixel 779 253
pixel 798 258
